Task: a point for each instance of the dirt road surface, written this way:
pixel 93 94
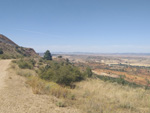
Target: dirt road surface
pixel 3 72
pixel 17 97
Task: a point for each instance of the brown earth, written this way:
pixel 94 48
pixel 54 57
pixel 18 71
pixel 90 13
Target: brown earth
pixel 142 80
pixel 17 97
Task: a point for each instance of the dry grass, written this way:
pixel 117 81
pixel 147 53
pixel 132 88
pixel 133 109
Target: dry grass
pixel 40 86
pixel 17 97
pixel 96 96
pixel 22 72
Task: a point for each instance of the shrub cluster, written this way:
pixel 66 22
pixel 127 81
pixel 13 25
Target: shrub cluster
pixel 21 51
pixel 61 73
pixel 121 80
pixel 26 63
pixel 6 56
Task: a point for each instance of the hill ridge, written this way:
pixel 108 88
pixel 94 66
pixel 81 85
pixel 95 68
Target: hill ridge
pixel 6 40
pixel 13 50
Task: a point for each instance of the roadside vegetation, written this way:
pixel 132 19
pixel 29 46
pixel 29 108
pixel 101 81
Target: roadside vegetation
pixel 79 88
pixel 61 73
pixel 5 56
pixel 25 63
pixel 97 96
pixel 47 76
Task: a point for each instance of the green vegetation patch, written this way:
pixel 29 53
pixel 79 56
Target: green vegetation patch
pixel 47 55
pixel 1 51
pixel 26 63
pixel 61 73
pixel 119 80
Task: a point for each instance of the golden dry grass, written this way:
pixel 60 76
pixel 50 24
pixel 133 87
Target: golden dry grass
pixel 22 72
pixel 96 96
pixel 40 86
pixel 17 96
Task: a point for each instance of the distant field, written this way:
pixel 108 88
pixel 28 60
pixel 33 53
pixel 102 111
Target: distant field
pixel 135 67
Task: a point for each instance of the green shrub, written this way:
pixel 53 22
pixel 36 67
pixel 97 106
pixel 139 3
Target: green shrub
pixel 61 104
pixel 60 56
pixel 121 80
pixel 26 63
pixel 89 72
pixel 1 51
pixel 61 73
pixel 21 51
pixel 32 61
pixel 5 56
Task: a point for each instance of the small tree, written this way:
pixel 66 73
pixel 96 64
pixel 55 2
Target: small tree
pixel 47 55
pixel 1 51
pixel 89 72
pixel 60 56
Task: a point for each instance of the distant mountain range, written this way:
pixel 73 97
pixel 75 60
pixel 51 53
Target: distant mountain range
pixel 10 48
pixel 90 53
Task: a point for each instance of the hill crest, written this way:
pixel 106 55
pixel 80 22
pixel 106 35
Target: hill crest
pixel 6 40
pixel 11 49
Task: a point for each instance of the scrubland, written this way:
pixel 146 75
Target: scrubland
pixel 91 95
pixel 97 96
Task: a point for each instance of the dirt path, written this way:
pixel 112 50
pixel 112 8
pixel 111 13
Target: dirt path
pixel 17 97
pixel 4 64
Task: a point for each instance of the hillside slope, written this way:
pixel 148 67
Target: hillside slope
pixel 17 97
pixel 11 49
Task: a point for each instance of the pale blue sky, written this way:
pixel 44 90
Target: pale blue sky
pixel 104 26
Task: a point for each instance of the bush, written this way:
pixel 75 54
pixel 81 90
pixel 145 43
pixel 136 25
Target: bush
pixel 61 73
pixel 5 56
pixel 60 56
pixel 89 72
pixel 1 51
pixel 121 80
pixel 26 64
pixel 21 51
pixel 32 61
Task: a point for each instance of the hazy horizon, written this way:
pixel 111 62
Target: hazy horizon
pixel 97 26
